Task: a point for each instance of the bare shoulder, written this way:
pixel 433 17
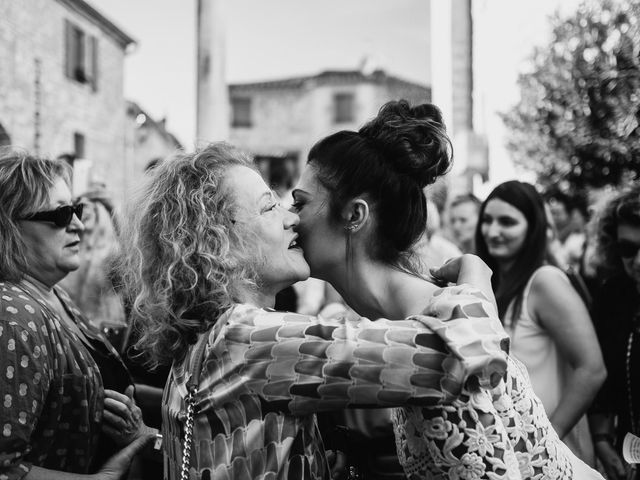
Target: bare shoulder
pixel 549 280
pixel 552 294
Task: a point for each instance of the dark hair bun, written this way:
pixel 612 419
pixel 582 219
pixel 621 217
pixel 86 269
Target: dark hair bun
pixel 413 139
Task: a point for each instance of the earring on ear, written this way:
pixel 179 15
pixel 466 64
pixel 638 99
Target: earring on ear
pixel 348 255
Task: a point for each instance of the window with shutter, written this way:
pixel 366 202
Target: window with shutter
pixel 81 55
pixel 343 108
pixel 78 145
pixel 241 112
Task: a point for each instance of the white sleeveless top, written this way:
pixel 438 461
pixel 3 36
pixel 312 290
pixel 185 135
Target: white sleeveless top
pixel 548 370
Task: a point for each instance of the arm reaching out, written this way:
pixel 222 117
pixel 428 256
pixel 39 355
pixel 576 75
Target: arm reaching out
pixel 303 364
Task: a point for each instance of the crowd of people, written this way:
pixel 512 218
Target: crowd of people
pixel 468 339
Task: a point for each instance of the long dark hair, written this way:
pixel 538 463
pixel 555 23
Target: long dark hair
pixel 390 159
pixel 534 251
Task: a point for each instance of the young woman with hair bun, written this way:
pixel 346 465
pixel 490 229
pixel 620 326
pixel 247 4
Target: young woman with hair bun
pixel 362 212
pixel 210 248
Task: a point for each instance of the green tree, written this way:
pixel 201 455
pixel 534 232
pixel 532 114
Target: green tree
pixel 577 122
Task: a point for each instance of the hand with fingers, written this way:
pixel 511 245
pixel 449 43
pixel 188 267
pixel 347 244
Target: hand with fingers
pixel 118 464
pixel 338 463
pixel 469 269
pixel 122 418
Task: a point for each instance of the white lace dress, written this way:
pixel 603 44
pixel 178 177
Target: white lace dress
pixel 496 434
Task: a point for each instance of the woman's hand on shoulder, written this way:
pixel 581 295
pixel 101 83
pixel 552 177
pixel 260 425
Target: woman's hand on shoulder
pixel 469 269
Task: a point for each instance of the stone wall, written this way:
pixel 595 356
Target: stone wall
pixel 35 90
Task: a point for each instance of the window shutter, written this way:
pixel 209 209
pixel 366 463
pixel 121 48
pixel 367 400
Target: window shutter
pixel 69 50
pixel 92 63
pixel 80 67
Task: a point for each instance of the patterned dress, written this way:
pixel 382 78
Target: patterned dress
pixel 50 386
pixel 266 373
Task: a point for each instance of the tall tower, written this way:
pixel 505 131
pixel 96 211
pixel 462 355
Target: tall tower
pixel 453 84
pixel 213 97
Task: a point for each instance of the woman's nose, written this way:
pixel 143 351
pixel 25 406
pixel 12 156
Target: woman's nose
pixel 291 219
pixel 76 224
pixel 492 230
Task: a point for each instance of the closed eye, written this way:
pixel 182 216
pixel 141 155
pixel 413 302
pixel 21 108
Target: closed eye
pixel 272 207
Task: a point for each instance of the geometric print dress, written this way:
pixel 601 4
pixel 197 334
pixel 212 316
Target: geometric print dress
pixel 265 374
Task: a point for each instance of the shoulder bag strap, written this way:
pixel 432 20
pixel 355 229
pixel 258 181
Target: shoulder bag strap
pixel 190 403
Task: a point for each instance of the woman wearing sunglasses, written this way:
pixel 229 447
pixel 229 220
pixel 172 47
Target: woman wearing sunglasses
pixel 59 378
pixel 616 410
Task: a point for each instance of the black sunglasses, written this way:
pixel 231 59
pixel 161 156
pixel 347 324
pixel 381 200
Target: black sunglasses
pixel 61 216
pixel 627 249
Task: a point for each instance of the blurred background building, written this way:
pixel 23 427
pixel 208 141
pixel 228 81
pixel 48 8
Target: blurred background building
pixel 148 141
pixel 61 84
pixel 62 93
pixel 63 75
pixel 282 119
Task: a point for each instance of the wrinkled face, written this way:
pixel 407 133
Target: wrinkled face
pixel 504 229
pixel 321 239
pixel 629 250
pixel 463 219
pixel 279 259
pixel 52 251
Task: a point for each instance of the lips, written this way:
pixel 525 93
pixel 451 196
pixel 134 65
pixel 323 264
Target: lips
pixel 73 244
pixel 294 243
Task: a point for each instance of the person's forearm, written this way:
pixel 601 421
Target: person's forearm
pixel 601 425
pixel 576 397
pixel 39 473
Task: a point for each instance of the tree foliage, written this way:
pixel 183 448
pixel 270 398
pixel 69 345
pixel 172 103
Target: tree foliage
pixel 577 122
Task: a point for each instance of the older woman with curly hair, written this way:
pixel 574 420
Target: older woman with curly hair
pixel 616 410
pixel 209 248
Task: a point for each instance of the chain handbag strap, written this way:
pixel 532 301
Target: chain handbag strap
pixel 190 403
pixel 628 372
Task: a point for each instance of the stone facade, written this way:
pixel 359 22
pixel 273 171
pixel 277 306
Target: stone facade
pixel 286 117
pixel 45 111
pixel 148 140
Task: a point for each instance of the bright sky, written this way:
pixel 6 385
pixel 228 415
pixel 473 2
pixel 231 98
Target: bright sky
pixel 266 39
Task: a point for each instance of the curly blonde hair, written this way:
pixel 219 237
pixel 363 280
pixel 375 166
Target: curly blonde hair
pixel 183 257
pixel 622 209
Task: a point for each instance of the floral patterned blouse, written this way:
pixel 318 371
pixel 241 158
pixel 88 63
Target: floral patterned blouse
pixel 265 374
pixel 50 386
pixel 501 433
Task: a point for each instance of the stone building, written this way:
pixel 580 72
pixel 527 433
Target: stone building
pixel 148 140
pixel 61 87
pixel 281 120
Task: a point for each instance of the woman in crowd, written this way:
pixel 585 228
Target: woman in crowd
pixel 211 247
pixel 54 364
pixel 550 328
pixel 90 286
pixel 463 221
pixel 616 410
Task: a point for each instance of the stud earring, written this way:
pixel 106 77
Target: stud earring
pixel 351 227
